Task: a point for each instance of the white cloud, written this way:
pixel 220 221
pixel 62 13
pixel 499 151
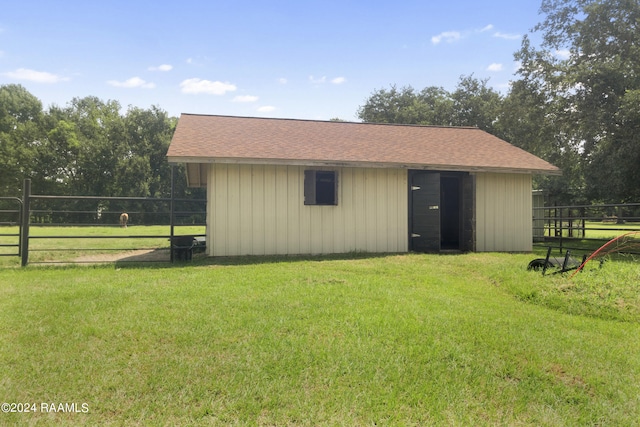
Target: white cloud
pixel 245 98
pixel 163 67
pixel 195 86
pixel 487 28
pixel 266 109
pixel 563 54
pixel 133 82
pixel 447 36
pixel 282 81
pixel 507 36
pixel 35 76
pixel 338 80
pixel 495 67
pixel 319 80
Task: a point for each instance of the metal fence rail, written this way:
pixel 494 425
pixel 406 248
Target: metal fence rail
pixel 10 214
pixel 38 211
pixel 584 227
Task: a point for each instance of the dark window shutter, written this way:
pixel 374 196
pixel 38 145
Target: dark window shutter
pixel 309 187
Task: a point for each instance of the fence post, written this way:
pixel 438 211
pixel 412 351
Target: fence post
pixel 24 222
pixel 561 225
pixel 172 209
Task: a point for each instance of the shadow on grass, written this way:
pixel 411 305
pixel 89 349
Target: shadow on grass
pixel 160 258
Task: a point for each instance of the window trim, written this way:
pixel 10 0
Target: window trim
pixel 311 187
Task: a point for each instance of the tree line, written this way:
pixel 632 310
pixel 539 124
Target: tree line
pixel 88 148
pixel 575 101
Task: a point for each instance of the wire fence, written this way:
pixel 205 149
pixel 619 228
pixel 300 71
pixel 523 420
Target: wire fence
pixel 584 227
pixel 65 227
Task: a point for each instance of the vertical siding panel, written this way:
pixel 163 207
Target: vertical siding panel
pixel 359 208
pixel 370 210
pixel 233 210
pixel 327 223
pixel 282 217
pixel 305 217
pixel 339 216
pixel 492 202
pixel 221 230
pixel 391 208
pixel 382 226
pixel 503 212
pixel 497 211
pixel 257 210
pixel 395 210
pixel 269 209
pixel 244 219
pixel 403 206
pixel 481 213
pixel 515 240
pixel 294 204
pixel 315 229
pixel 215 199
pixel 347 193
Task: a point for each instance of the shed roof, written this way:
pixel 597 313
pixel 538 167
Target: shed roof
pixel 227 139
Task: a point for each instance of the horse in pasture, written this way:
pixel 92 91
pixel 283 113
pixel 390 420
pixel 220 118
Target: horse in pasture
pixel 124 217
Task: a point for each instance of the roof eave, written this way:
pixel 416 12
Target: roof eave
pixel 361 164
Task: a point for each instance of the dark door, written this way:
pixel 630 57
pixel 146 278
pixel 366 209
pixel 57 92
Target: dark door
pixel 425 212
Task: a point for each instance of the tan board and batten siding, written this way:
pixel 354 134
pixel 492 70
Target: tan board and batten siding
pixel 503 212
pixel 260 210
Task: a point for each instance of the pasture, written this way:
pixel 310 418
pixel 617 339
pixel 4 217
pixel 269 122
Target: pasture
pixel 408 339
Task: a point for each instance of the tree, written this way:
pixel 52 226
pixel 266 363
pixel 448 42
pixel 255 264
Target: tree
pixel 475 104
pixel 403 106
pixel 142 165
pixel 20 137
pixel 471 104
pixel 588 69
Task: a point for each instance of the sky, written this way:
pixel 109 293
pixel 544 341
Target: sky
pixel 303 59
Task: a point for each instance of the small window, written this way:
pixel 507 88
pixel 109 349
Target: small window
pixel 320 187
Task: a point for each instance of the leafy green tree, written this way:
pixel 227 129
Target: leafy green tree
pixel 475 104
pixel 588 69
pixel 20 137
pixel 395 105
pixel 143 169
pixel 471 104
pixel 99 130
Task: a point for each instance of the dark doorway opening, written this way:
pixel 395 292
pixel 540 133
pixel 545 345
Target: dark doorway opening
pixel 450 213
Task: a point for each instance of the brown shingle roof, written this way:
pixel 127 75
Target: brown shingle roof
pixel 204 138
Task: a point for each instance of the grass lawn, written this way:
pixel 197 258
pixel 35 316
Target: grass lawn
pixel 410 339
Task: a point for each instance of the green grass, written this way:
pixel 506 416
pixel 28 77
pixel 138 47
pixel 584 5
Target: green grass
pixel 393 340
pixel 598 230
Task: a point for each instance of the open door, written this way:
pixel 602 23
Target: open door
pixel 441 211
pixel 425 212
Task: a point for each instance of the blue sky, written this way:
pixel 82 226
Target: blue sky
pixel 278 58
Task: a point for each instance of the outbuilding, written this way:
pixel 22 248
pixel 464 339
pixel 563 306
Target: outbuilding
pixel 283 186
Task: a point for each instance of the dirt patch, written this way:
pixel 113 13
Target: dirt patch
pixel 139 255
